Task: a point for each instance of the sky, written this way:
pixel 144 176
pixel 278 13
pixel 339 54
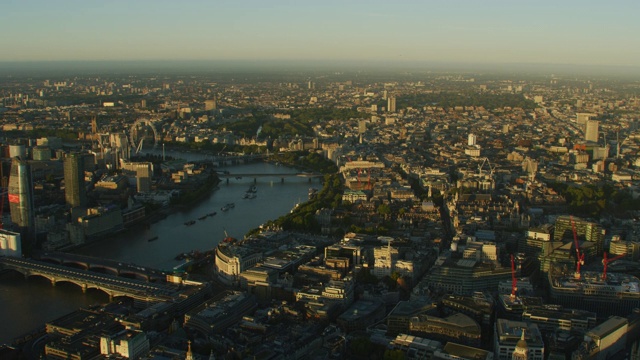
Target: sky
pixel 565 32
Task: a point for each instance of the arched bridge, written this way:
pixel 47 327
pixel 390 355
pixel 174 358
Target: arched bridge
pixel 104 265
pixel 279 175
pixel 112 285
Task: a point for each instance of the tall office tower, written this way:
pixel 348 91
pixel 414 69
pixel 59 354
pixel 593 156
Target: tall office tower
pixel 21 198
pixel 362 127
pixel 74 190
pixel 94 125
pixel 391 104
pixel 472 140
pixel 591 133
pixel 143 177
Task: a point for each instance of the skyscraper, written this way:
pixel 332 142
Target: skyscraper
pixel 21 198
pixel 472 140
pixel 74 191
pixel 391 104
pixel 591 132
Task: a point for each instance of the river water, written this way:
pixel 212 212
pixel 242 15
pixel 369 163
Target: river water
pixel 28 304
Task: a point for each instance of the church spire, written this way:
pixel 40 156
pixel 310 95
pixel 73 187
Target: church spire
pixel 189 355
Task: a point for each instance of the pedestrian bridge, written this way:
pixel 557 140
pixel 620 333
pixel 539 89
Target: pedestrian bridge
pixel 112 285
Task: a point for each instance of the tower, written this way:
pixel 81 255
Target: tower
pixel 521 352
pixel 74 192
pixel 391 104
pixel 189 355
pixel 591 132
pixel 472 140
pixel 94 125
pixel 21 200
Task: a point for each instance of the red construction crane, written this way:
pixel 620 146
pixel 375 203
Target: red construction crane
pixel 514 280
pixel 606 260
pixel 579 256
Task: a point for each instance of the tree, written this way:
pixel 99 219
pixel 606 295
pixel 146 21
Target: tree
pixel 384 210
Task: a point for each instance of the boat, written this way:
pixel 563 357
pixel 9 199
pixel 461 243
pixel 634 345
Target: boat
pixel 252 189
pixel 152 239
pixel 212 214
pixel 231 205
pixel 225 208
pixel 190 222
pixel 202 217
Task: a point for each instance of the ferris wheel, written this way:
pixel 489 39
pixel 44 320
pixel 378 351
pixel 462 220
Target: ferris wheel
pixel 143 131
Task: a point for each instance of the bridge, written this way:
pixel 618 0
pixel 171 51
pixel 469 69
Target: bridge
pixel 112 285
pixel 282 176
pixel 227 159
pixel 102 265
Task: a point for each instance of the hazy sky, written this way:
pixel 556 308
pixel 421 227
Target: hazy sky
pixel 585 32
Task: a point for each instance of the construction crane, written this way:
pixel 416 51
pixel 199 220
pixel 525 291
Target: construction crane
pixel 606 260
pixel 514 280
pixel 579 256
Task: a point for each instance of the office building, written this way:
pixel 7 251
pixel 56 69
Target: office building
pixel 453 351
pixel 362 127
pixel 585 230
pixel 21 198
pixel 457 328
pixel 130 344
pixel 604 341
pixel 591 132
pixel 75 192
pixel 210 105
pixel 472 140
pixel 391 104
pixel 143 178
pixel 582 118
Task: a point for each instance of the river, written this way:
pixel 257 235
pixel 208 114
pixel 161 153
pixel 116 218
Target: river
pixel 28 304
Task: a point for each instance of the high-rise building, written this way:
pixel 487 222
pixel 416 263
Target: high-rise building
pixel 362 127
pixel 591 132
pixel 472 140
pixel 391 104
pixel 21 198
pixel 74 192
pixel 582 118
pixel 143 177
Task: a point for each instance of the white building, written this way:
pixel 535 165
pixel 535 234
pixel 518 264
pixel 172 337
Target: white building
pixel 472 140
pixel 10 243
pixel 591 132
pixel 127 343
